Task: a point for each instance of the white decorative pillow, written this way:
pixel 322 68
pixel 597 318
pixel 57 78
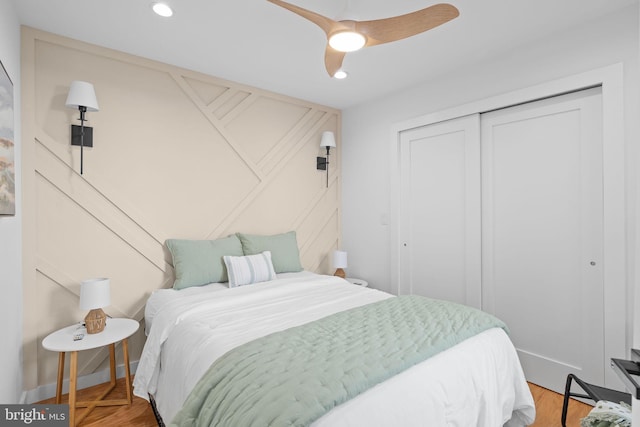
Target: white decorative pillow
pixel 245 270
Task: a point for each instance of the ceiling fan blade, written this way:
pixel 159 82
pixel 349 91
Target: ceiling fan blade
pixel 403 26
pixel 323 22
pixel 333 60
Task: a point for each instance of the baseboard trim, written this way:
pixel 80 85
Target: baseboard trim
pixel 48 391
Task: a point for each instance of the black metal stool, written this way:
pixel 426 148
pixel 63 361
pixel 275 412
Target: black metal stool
pixel 593 392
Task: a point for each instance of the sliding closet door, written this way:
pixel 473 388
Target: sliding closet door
pixel 440 211
pixel 542 233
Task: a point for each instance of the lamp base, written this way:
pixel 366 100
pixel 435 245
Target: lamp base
pixel 340 273
pixel 95 321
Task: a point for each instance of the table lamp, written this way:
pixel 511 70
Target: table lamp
pixel 95 294
pixel 339 262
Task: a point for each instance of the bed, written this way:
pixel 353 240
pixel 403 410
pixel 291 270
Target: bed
pixel 476 382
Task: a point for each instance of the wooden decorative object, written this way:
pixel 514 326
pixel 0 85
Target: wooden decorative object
pixel 95 321
pixel 340 273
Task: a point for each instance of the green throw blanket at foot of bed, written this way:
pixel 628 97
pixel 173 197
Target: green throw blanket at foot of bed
pixel 293 377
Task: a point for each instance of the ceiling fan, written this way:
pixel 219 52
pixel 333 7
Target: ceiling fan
pixel 348 35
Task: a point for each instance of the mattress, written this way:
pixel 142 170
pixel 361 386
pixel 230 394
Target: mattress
pixel 479 382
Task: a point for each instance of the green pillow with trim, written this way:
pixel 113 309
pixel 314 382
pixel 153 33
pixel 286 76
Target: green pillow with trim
pixel 199 262
pixel 285 254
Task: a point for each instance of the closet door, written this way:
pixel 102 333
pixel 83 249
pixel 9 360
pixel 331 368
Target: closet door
pixel 440 211
pixel 542 233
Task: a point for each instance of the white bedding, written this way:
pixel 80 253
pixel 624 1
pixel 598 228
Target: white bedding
pixel 479 382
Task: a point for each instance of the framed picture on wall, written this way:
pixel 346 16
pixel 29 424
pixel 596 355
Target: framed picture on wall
pixel 7 165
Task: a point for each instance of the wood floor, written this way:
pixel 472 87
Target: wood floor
pixel 549 408
pixel 140 414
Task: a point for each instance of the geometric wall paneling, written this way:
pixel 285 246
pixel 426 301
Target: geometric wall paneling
pixel 266 121
pixel 206 91
pixel 317 212
pixel 305 133
pixel 315 253
pixel 177 154
pixel 305 129
pixel 82 246
pixel 235 106
pixel 278 209
pixel 188 157
pixel 229 101
pixel 278 138
pixel 52 170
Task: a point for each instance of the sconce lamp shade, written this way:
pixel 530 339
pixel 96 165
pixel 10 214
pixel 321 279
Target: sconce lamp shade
pixel 81 94
pixel 328 139
pixel 339 263
pixel 95 294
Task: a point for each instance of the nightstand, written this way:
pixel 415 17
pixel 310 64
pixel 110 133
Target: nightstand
pixel 358 282
pixel 62 341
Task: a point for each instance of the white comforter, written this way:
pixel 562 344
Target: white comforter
pixel 479 382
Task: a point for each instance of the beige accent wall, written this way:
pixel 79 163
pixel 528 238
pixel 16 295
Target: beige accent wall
pixel 177 154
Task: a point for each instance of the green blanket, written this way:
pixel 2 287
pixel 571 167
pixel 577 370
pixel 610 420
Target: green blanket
pixel 293 377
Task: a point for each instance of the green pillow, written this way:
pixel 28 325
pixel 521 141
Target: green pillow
pixel 198 262
pixel 284 249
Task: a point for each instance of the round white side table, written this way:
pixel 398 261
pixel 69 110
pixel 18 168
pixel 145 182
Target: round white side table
pixel 63 341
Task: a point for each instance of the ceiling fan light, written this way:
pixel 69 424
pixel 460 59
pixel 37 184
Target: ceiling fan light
pixel 347 41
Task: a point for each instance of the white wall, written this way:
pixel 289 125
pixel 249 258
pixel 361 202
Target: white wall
pixel 367 128
pixel 11 229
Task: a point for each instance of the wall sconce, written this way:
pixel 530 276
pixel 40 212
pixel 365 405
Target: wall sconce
pixel 328 140
pixel 339 262
pixel 83 97
pixel 94 295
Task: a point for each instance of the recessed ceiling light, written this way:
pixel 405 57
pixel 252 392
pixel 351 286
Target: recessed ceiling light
pixel 340 74
pixel 162 9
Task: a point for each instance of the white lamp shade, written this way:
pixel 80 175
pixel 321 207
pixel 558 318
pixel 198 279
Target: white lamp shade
pixel 328 139
pixel 339 259
pixel 94 293
pixel 81 94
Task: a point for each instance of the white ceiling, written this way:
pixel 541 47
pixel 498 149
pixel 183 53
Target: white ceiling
pixel 259 44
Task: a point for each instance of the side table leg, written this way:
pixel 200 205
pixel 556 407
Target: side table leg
pixel 73 379
pixel 112 363
pixel 127 370
pixel 60 377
